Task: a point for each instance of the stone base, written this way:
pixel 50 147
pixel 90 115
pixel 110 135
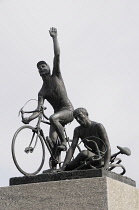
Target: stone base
pixel 98 193
pixel 71 175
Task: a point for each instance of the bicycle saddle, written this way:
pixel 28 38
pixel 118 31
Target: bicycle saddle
pixel 124 150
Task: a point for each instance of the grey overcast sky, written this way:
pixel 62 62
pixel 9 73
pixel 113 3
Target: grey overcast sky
pixel 99 63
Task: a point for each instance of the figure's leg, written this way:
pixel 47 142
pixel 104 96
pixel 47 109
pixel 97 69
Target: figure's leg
pixel 57 154
pixel 53 134
pixel 80 158
pixel 58 120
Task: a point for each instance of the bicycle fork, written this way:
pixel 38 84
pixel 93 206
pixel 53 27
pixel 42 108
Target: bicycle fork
pixel 30 148
pixel 37 131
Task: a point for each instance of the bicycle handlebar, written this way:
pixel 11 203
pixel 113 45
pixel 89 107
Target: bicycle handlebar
pixel 33 111
pixel 28 112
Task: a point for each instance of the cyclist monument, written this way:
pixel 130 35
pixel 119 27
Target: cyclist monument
pixel 54 91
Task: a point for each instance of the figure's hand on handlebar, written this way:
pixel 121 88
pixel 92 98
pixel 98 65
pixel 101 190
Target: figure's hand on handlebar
pixel 25 120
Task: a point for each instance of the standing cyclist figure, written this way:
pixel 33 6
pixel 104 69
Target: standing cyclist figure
pixel 54 91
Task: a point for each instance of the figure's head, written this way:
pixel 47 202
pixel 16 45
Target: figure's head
pixel 81 115
pixel 43 68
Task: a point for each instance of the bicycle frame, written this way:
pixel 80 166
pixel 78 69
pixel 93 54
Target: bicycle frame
pixel 40 132
pixel 36 138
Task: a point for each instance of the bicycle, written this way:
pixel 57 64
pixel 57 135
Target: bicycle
pixel 33 147
pixel 94 146
pixel 38 140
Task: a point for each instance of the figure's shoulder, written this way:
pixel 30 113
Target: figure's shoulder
pixel 96 124
pixel 100 126
pixel 56 74
pixel 93 123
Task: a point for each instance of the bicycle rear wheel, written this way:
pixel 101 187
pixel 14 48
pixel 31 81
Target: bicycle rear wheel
pixel 28 150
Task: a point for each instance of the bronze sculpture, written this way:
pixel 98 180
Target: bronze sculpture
pixel 93 135
pixel 54 91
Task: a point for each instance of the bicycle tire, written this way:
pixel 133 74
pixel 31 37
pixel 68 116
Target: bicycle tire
pixel 41 143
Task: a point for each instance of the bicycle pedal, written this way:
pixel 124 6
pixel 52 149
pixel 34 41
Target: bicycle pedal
pixel 62 148
pixel 28 149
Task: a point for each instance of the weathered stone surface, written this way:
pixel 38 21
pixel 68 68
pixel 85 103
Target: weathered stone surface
pixel 122 196
pixel 71 175
pixel 100 193
pixel 59 195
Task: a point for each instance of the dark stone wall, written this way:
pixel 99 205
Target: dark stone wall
pixel 71 175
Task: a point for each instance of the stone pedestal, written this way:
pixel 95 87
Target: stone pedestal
pixel 97 193
pixel 57 176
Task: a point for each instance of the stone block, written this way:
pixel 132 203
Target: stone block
pixel 97 193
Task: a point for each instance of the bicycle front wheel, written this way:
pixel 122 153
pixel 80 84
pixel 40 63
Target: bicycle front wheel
pixel 28 150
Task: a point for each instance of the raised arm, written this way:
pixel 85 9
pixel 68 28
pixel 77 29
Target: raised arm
pixel 56 67
pixel 71 150
pixel 104 137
